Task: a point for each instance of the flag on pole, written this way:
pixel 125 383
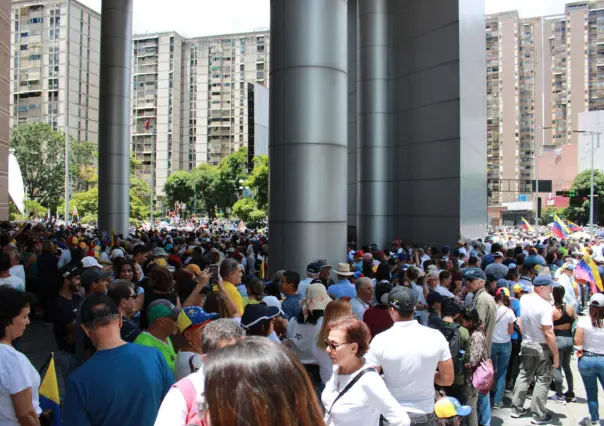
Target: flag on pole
pixel 573 227
pixel 76 217
pixel 526 226
pixel 49 393
pixel 147 122
pixel 588 271
pixel 113 239
pixel 560 229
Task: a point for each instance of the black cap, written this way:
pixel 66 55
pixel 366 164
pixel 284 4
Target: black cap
pixel 257 313
pixel 92 275
pixel 434 297
pixel 402 299
pixel 97 307
pixel 71 269
pixel 313 268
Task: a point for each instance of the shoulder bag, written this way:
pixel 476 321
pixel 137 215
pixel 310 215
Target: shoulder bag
pixel 347 388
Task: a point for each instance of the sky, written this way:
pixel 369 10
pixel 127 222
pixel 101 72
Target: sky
pixel 194 18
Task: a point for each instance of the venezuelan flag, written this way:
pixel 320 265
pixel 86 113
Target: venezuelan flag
pixel 588 271
pixel 573 227
pixel 49 393
pixel 526 226
pixel 560 229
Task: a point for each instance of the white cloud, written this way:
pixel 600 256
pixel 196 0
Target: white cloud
pixel 527 8
pixel 197 17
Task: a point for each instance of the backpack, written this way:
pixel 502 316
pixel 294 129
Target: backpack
pixel 483 376
pixel 187 389
pixel 453 336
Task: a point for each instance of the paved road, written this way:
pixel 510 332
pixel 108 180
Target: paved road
pixel 38 341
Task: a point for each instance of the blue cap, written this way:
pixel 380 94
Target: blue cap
pixel 474 274
pixel 511 266
pixel 502 283
pixel 403 256
pixel 527 288
pixel 571 266
pixel 542 280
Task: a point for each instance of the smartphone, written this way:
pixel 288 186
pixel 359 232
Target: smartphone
pixel 214 277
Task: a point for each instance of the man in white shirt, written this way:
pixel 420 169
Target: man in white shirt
pixel 182 397
pixel 566 281
pixel 312 273
pixel 5 277
pixel 539 352
pixel 16 270
pixel 364 296
pixel 410 369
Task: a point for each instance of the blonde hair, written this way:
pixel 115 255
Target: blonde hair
pixel 334 310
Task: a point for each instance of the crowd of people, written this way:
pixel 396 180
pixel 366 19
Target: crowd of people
pixel 185 327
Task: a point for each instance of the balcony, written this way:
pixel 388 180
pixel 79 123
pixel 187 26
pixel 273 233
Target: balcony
pixel 145 69
pixel 140 130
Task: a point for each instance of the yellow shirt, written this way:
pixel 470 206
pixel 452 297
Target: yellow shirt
pixel 234 294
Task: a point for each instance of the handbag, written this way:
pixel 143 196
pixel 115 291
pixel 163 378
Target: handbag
pixel 483 376
pixel 347 388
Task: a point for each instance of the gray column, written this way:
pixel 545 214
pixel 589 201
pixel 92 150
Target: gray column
pixel 373 123
pixel 114 116
pixel 308 133
pixel 352 119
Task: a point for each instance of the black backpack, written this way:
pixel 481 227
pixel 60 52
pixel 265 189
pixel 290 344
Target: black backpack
pixel 453 336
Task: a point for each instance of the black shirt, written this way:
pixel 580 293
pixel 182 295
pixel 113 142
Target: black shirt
pixel 62 313
pixel 129 330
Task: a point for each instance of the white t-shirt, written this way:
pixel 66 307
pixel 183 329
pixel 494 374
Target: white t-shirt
pixel 182 367
pixel 303 286
pixel 325 364
pixel 409 367
pixel 569 291
pixel 13 281
pixel 358 308
pixel 505 317
pixel 363 403
pixel 16 375
pixel 65 258
pixel 593 337
pixel 302 338
pixel 18 271
pixel 534 314
pixel 173 410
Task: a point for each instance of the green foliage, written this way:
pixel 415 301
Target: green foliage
pixel 41 156
pixel 247 210
pixel 206 179
pixel 547 214
pixel 578 210
pixel 231 170
pixel 258 181
pixel 179 188
pixel 82 165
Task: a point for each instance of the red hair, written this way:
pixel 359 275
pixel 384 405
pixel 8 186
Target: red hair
pixel 356 332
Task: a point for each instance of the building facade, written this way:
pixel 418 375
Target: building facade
pixel 5 26
pixel 541 74
pixel 190 99
pixel 47 61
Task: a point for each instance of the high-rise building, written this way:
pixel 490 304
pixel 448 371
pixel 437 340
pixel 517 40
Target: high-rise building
pixel 189 98
pixel 541 74
pixel 4 104
pixel 41 48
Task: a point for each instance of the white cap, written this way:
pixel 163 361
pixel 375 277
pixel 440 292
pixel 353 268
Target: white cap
pixel 90 262
pixel 273 301
pixel 118 252
pixel 597 300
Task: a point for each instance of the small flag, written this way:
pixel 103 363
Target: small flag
pixel 76 217
pixel 147 122
pixel 560 229
pixel 49 393
pixel 588 271
pixel 526 226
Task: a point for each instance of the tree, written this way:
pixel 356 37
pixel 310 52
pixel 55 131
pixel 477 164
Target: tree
pixel 82 165
pixel 39 150
pixel 231 171
pixel 179 187
pixel 247 210
pixel 258 181
pixel 206 188
pixel 548 213
pixel 578 210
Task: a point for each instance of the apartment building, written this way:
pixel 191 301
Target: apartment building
pixel 50 64
pixel 5 26
pixel 189 99
pixel 541 74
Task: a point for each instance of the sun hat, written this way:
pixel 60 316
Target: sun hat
pixel 448 407
pixel 193 315
pixel 316 298
pixel 344 270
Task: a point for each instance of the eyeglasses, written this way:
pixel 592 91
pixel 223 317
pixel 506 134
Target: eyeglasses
pixel 132 296
pixel 334 346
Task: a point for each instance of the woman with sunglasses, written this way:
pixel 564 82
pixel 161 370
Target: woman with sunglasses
pixel 356 395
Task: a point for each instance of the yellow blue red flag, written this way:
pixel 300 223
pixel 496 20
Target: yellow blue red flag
pixel 49 393
pixel 588 271
pixel 526 226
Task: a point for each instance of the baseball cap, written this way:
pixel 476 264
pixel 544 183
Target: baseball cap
pixel 322 263
pixel 542 280
pixel 313 268
pixel 491 278
pixel 91 311
pixel 570 266
pixel 402 299
pixel 71 269
pixel 194 269
pixel 434 297
pixel 118 252
pixel 255 314
pixel 498 255
pixel 90 262
pixel 273 301
pixel 92 275
pixel 503 291
pixel 474 274
pixel 162 308
pixel 448 407
pixel 193 315
pixel 597 300
pixel 518 288
pixel 501 283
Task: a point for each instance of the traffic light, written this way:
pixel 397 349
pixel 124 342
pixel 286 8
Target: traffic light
pixel 572 193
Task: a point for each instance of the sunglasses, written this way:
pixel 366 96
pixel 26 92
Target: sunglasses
pixel 334 346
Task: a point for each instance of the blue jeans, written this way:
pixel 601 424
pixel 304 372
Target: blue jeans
pixel 592 370
pixel 500 355
pixel 484 409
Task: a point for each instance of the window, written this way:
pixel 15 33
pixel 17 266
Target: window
pixel 260 48
pixel 35 20
pixel 35 57
pixel 25 34
pixel 24 47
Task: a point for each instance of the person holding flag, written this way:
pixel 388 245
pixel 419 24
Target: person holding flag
pixel 75 218
pixel 526 226
pixel 587 270
pixel 560 230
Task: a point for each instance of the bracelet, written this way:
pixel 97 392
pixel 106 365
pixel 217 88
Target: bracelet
pixel 579 348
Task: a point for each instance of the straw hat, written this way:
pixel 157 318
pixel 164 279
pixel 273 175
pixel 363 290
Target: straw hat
pixel 344 270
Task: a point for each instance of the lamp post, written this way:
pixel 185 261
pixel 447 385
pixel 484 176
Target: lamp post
pixel 591 183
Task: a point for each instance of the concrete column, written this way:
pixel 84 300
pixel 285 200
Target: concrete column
pixel 352 119
pixel 114 116
pixel 308 133
pixel 373 123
